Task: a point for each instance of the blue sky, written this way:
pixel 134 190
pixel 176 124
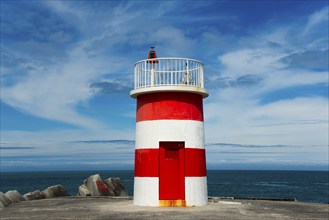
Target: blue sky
pixel 67 70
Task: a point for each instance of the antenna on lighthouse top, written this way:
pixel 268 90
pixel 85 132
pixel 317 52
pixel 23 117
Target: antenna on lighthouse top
pixel 152 56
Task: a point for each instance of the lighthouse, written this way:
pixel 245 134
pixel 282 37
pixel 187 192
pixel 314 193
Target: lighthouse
pixel 170 159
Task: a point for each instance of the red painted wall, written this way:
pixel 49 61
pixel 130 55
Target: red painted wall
pixel 169 105
pixel 195 162
pixel 147 162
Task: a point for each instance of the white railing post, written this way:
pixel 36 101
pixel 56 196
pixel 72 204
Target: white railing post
pixel 201 76
pixel 135 78
pixel 187 74
pixel 152 74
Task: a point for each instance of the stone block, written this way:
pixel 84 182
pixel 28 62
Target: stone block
pixel 14 196
pixel 4 201
pixel 83 191
pixel 34 195
pixel 94 186
pixel 116 186
pixel 55 191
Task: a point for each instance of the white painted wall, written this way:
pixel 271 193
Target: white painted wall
pixel 196 193
pixel 149 133
pixel 146 191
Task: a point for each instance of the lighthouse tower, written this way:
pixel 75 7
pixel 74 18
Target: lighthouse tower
pixel 170 161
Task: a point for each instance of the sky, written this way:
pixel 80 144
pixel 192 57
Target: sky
pixel 67 71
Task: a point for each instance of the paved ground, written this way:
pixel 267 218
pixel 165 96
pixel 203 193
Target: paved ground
pixel 107 208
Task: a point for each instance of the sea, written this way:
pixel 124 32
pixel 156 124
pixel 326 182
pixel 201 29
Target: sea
pixel 306 186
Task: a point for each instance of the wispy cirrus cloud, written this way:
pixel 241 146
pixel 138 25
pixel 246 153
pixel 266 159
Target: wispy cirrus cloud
pixel 250 106
pixel 106 141
pixel 81 55
pixel 75 149
pixel 17 148
pixel 112 87
pixel 54 93
pixel 317 18
pixel 245 146
pixel 312 60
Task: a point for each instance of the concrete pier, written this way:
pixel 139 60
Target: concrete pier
pixel 123 208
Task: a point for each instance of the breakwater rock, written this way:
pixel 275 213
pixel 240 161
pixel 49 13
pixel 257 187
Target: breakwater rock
pixel 13 196
pixel 92 186
pixel 34 195
pixel 95 186
pixel 116 187
pixel 4 201
pixel 55 191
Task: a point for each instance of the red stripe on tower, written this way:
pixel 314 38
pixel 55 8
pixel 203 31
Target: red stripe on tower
pixel 169 105
pixel 147 162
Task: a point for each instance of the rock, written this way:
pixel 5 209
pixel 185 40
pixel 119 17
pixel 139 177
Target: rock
pixel 48 193
pixel 94 186
pixel 83 191
pixel 116 186
pixel 34 195
pixel 4 201
pixel 14 196
pixel 102 188
pixel 55 191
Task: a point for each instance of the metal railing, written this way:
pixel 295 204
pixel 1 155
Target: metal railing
pixel 168 72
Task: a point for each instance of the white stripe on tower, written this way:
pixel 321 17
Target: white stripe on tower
pixel 146 191
pixel 193 185
pixel 149 133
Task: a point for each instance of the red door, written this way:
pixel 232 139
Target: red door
pixel 172 177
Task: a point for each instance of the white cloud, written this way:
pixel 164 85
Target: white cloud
pixel 292 78
pixel 63 142
pixel 317 18
pixel 255 61
pixel 174 43
pixel 237 118
pixel 54 92
pixel 236 114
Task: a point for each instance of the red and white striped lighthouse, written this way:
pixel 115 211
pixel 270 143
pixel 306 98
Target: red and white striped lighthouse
pixel 170 161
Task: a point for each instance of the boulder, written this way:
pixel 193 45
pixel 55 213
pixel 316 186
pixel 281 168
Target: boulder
pixel 116 187
pixel 14 196
pixel 4 201
pixel 55 191
pixel 34 195
pixel 94 186
pixel 102 188
pixel 83 191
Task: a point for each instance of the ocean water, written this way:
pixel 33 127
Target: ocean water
pixel 307 186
